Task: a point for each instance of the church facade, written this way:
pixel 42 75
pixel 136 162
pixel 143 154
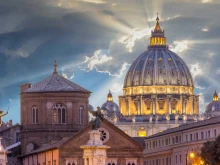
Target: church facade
pixel 123 151
pixel 51 110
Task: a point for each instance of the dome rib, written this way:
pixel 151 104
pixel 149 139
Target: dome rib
pixel 162 66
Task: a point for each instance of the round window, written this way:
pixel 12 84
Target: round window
pixel 104 136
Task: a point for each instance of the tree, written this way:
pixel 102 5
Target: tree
pixel 210 152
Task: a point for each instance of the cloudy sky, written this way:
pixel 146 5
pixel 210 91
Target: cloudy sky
pixel 95 41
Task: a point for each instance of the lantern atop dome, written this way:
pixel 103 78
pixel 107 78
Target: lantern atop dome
pixel 157 35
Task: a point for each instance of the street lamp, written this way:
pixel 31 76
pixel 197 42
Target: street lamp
pixel 191 155
pixel 194 155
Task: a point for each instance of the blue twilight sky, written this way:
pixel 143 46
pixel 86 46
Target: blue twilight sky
pixel 95 41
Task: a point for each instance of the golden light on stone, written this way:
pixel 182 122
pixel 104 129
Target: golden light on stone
pixel 142 133
pixel 215 96
pixel 158 82
pixel 109 97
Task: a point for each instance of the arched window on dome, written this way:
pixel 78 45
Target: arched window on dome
pixel 81 114
pixel 161 103
pixel 35 114
pixel 148 104
pixel 59 114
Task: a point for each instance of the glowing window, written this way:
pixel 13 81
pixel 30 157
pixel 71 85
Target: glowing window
pixel 142 133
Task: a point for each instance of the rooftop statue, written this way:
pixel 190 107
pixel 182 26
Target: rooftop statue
pixel 1 115
pixel 98 117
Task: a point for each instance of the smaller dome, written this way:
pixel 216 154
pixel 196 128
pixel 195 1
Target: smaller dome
pixel 214 106
pixel 111 106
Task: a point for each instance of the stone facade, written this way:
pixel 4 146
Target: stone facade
pixel 10 134
pixel 50 110
pixel 123 149
pixel 173 146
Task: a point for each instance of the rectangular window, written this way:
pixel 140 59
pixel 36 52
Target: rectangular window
pixel 191 137
pixel 177 140
pixel 215 132
pixel 18 139
pixel 180 159
pixel 186 138
pixel 180 139
pixel 202 135
pixel 209 134
pixel 197 136
pixel 142 133
pixel 176 159
pixel 63 115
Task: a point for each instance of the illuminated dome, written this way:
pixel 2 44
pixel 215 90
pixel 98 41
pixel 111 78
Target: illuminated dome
pixel 213 107
pixel 158 65
pixel 158 82
pixel 111 106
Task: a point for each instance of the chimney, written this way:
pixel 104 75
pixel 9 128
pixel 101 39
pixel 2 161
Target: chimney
pixel 24 87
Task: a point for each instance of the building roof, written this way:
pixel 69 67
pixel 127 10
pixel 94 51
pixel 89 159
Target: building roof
pixel 211 121
pixel 56 83
pixel 13 146
pixel 140 140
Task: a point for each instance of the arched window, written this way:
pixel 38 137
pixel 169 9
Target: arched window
pixel 59 114
pixel 81 116
pixel 35 114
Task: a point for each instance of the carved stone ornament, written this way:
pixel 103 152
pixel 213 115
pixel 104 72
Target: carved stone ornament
pixel 49 105
pixel 160 89
pixel 99 160
pixel 69 105
pixel 104 136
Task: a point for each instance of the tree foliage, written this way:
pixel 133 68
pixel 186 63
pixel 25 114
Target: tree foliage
pixel 210 152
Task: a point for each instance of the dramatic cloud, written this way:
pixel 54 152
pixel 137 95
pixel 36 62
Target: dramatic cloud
pixel 24 50
pixel 98 59
pixel 179 46
pixel 95 41
pixel 206 1
pixel 196 70
pixel 130 39
pixel 93 1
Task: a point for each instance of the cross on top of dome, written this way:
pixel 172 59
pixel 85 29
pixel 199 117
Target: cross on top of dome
pixel 157 27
